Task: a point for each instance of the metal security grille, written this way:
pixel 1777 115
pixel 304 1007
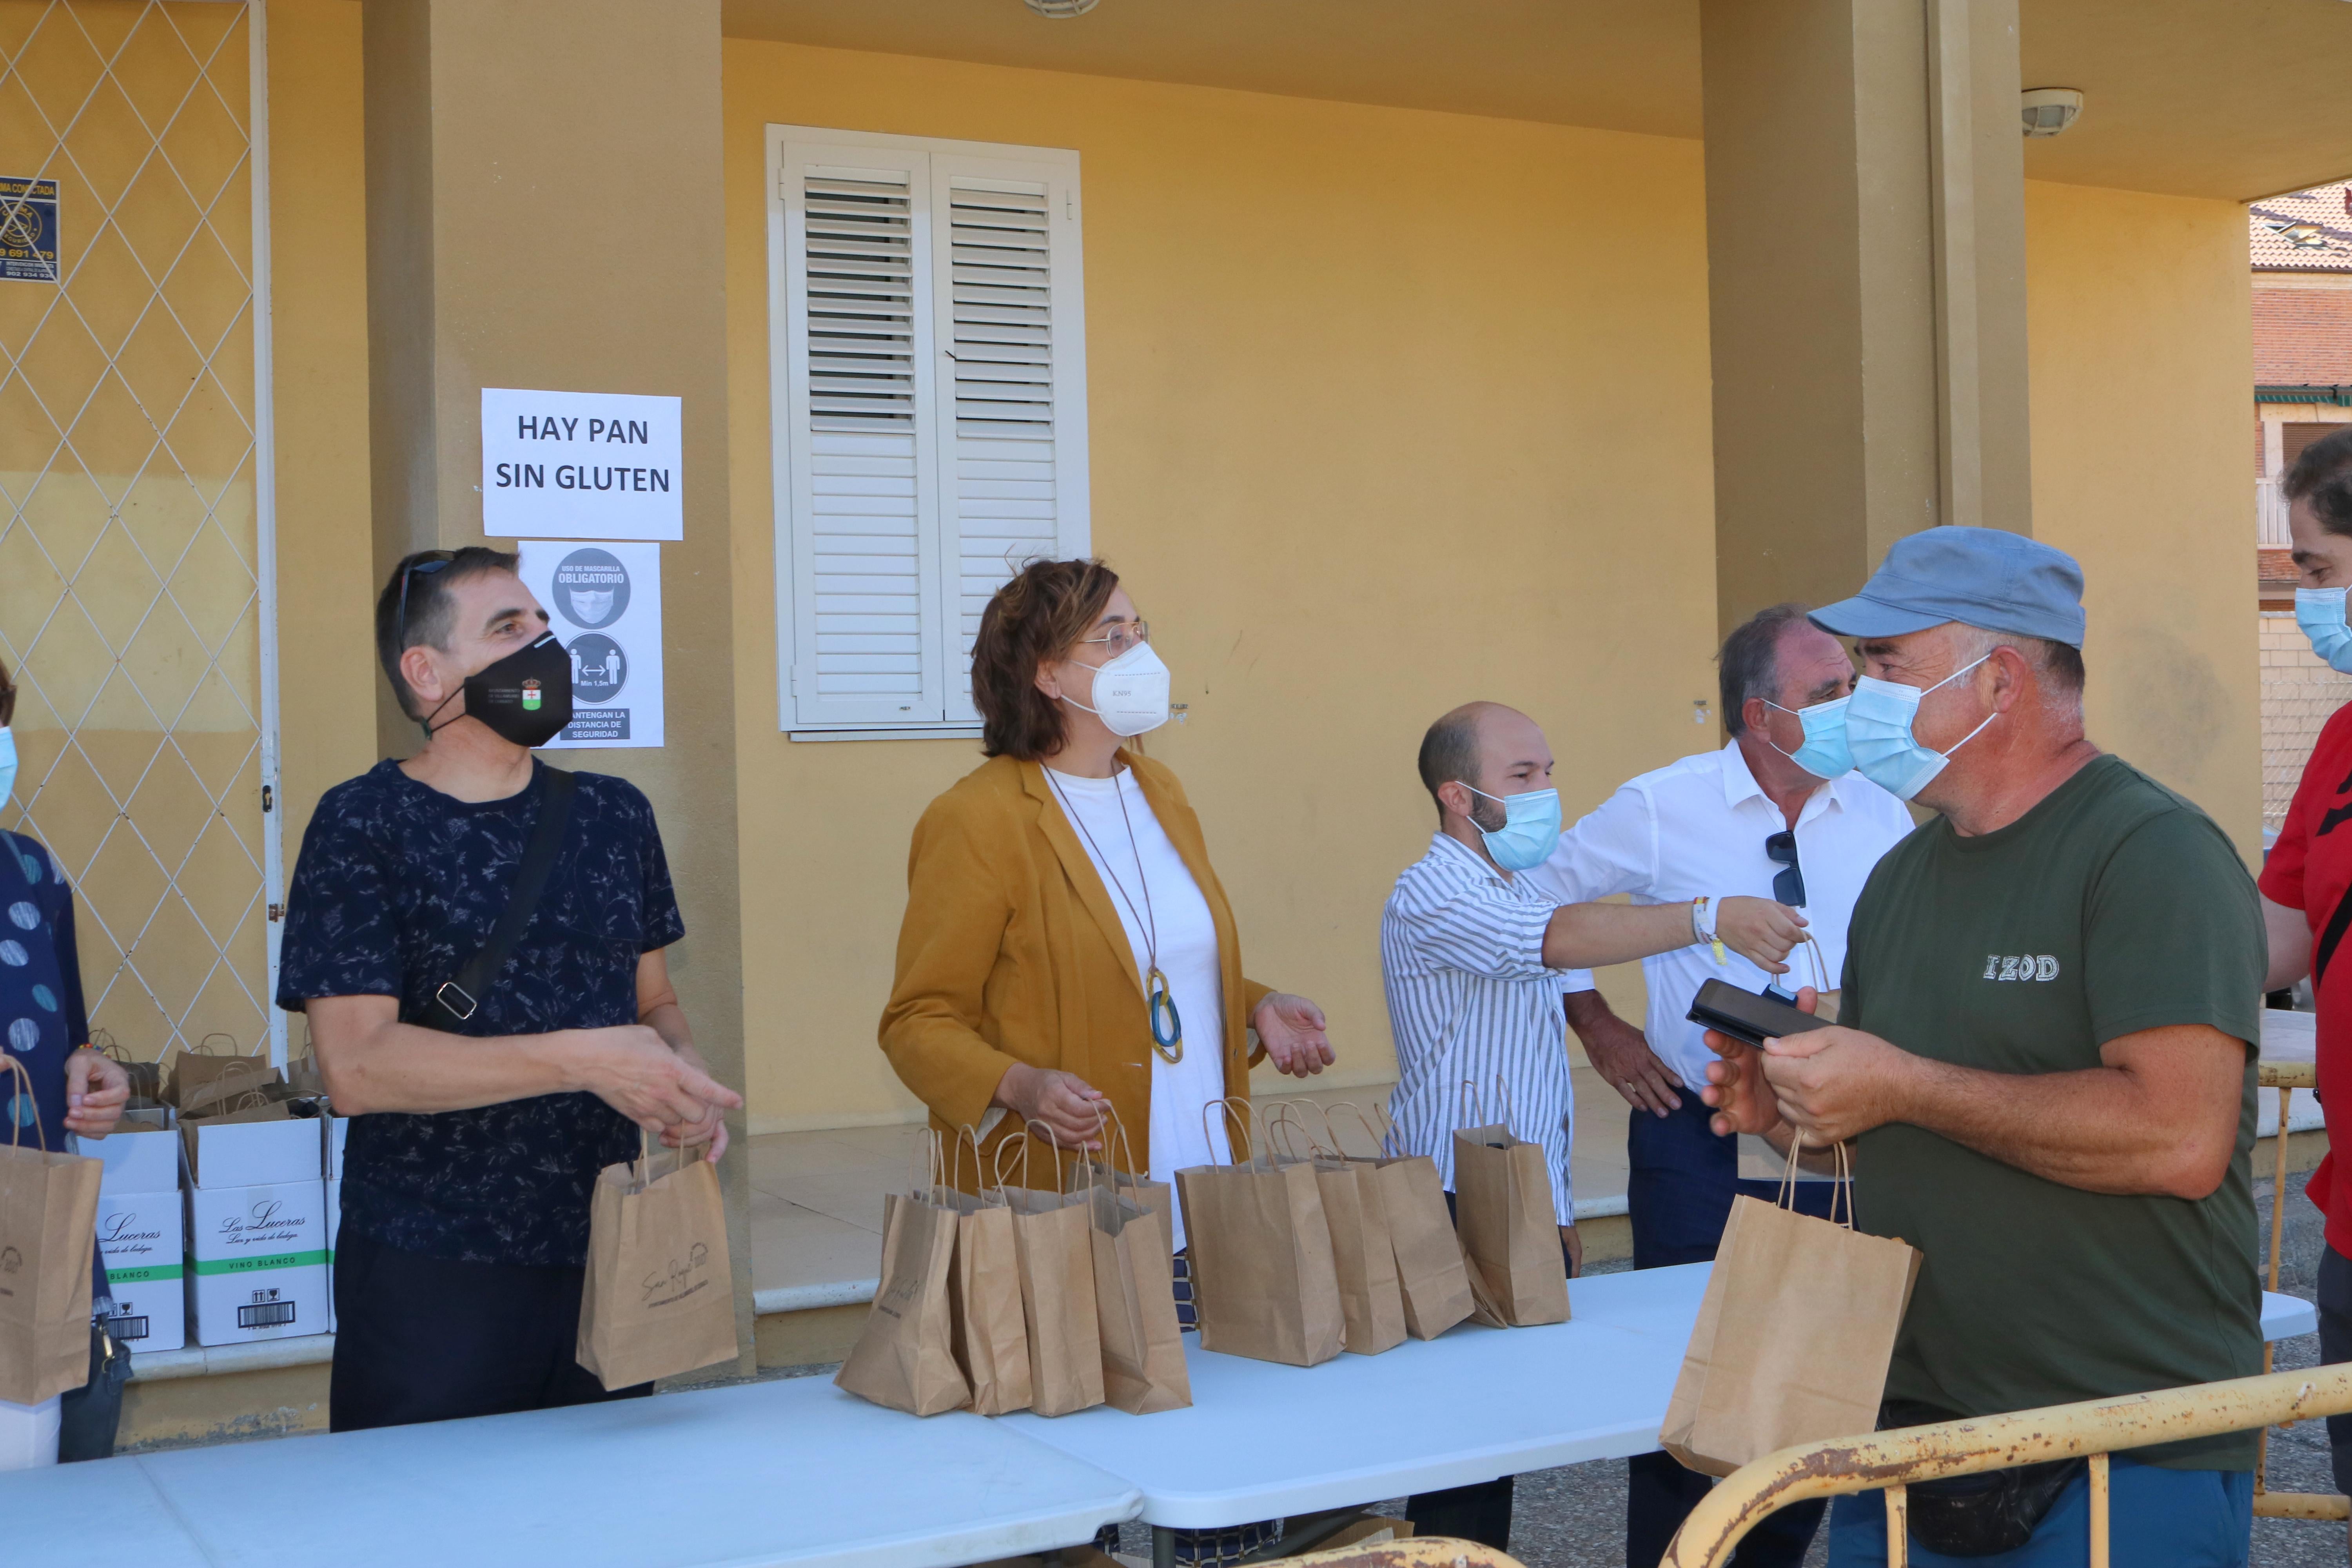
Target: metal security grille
pixel 135 591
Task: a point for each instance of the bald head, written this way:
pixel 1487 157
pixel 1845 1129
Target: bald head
pixel 1491 748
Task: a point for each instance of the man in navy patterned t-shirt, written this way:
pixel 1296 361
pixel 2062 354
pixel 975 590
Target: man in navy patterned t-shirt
pixel 474 1142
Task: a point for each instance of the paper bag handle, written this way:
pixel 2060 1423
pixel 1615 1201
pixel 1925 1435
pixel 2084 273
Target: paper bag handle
pixel 1034 1128
pixel 24 1091
pixel 1285 1119
pixel 1473 1104
pixel 997 1161
pixel 1787 1196
pixel 1380 1143
pixel 203 1047
pixel 1239 1118
pixel 1108 1122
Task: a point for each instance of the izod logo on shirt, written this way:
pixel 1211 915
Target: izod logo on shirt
pixel 2020 966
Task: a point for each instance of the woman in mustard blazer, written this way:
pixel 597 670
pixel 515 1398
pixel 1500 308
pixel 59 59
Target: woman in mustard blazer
pixel 1067 942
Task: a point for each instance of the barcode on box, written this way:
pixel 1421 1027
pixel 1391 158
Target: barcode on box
pixel 127 1329
pixel 266 1315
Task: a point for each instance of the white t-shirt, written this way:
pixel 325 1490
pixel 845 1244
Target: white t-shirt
pixel 1188 957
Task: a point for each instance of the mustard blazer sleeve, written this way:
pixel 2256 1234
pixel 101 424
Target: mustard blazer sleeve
pixel 936 1030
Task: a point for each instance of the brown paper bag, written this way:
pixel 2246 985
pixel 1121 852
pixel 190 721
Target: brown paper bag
pixel 1135 1291
pixel 1054 1252
pixel 1371 1305
pixel 990 1330
pixel 659 1298
pixel 1263 1281
pixel 201 1083
pixel 1793 1337
pixel 905 1357
pixel 48 1223
pixel 1430 1273
pixel 146 1078
pixel 1509 1228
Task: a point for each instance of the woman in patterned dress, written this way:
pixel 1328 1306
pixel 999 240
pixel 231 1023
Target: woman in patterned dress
pixel 74 1090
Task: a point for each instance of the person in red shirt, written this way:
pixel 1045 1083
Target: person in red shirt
pixel 2308 876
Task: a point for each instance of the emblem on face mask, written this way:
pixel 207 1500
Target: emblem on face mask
pixel 531 696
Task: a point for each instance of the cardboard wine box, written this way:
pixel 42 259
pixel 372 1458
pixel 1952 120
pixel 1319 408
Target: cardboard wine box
pixel 266 1145
pixel 257 1261
pixel 143 1236
pixel 334 1230
pixel 140 1157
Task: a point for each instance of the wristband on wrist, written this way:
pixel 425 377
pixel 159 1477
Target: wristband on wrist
pixel 1703 913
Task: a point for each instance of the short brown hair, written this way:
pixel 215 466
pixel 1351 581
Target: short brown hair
pixel 1749 663
pixel 428 575
pixel 2323 477
pixel 7 697
pixel 1041 614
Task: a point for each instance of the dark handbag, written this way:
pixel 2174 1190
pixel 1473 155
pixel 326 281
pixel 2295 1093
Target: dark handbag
pixel 458 997
pixel 1983 1514
pixel 90 1416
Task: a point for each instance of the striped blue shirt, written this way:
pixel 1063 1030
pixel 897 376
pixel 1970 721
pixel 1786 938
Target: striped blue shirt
pixel 1470 999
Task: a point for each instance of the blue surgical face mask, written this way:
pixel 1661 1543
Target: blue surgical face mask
pixel 2320 613
pixel 1824 754
pixel 1878 719
pixel 1530 829
pixel 7 761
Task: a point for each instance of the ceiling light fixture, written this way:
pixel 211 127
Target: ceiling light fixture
pixel 2048 110
pixel 1057 9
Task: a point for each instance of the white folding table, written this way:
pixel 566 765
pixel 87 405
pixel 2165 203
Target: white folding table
pixel 796 1472
pixel 1265 1441
pixel 791 1472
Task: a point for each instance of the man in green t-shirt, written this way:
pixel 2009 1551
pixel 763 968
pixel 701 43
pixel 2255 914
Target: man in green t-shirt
pixel 2045 1057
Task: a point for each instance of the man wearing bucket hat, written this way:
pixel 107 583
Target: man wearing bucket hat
pixel 2051 1010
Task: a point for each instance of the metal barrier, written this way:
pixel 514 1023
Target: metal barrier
pixel 1892 1461
pixel 2285 1078
pixel 1413 1552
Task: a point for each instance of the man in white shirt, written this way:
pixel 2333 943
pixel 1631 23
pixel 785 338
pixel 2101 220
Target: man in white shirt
pixel 1474 958
pixel 1775 812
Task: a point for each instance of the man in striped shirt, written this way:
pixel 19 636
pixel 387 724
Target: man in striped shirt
pixel 1474 957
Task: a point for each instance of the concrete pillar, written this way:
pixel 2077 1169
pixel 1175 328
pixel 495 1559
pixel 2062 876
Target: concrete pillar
pixel 1866 284
pixel 545 210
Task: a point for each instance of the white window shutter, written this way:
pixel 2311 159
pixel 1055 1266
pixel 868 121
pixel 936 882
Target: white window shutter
pixel 1009 303
pixel 867 643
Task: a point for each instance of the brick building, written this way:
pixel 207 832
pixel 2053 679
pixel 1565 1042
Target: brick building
pixel 2301 247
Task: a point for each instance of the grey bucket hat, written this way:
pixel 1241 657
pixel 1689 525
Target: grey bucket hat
pixel 1985 577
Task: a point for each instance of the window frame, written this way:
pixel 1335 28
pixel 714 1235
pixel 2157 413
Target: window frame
pixel 1073 521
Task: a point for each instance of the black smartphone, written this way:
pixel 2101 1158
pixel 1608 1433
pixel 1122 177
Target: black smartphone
pixel 1745 1015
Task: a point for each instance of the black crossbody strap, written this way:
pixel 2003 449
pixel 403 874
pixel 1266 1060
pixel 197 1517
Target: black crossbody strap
pixel 460 997
pixel 2336 923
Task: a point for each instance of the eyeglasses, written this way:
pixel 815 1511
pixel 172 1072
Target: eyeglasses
pixel 1788 882
pixel 1122 637
pixel 432 561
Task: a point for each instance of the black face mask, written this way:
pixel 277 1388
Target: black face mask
pixel 525 697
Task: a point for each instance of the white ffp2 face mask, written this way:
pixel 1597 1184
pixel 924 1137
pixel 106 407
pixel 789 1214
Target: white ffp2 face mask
pixel 1130 693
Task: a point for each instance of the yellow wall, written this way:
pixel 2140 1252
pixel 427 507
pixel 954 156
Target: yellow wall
pixel 1390 409
pixel 318 318
pixel 2142 360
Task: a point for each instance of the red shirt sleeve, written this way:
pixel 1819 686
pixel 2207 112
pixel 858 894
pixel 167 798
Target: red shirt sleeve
pixel 2285 867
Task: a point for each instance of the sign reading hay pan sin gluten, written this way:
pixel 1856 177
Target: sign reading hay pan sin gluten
pixel 579 465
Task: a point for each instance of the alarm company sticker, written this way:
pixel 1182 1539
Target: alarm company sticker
pixel 29 229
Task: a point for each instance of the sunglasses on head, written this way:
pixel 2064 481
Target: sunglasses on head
pixel 424 565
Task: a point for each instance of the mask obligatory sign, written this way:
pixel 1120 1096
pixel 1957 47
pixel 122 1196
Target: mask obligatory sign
pixel 581 464
pixel 604 604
